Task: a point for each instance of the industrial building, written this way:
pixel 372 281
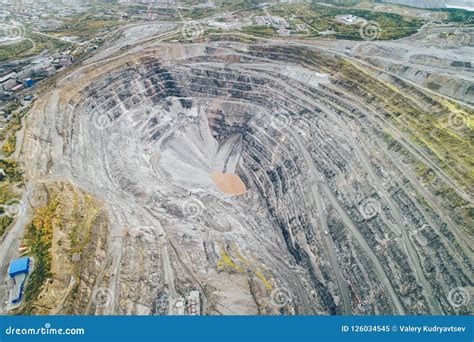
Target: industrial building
pixel 187 306
pixel 18 271
pixel 19 266
pixel 193 303
pixel 16 294
pixel 349 19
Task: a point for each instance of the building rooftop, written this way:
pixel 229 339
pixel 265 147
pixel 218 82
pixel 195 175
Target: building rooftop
pixel 8 76
pixel 19 266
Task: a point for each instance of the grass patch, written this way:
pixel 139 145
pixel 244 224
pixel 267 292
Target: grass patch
pixel 457 15
pixel 86 25
pixel 5 195
pixel 197 13
pixel 48 43
pixel 38 237
pixel 9 145
pixel 15 51
pixel 26 48
pixel 8 134
pixel 11 169
pixel 322 18
pixel 260 31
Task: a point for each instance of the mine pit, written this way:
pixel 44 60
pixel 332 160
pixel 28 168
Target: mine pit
pixel 181 144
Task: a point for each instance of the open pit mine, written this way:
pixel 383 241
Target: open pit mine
pixel 234 176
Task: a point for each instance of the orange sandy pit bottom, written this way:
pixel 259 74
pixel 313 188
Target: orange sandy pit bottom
pixel 229 183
